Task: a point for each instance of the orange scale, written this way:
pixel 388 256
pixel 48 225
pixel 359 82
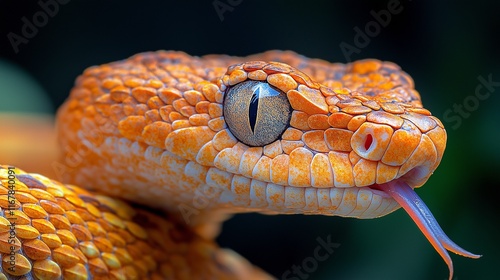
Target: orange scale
pixel 240 187
pixel 391 107
pixel 179 104
pixel 65 256
pixel 46 269
pixel 254 65
pixel 258 194
pixel 299 120
pixel 307 100
pixel 26 232
pixel 43 226
pixel 315 140
pixel 321 172
pixel 206 155
pixel 318 121
pixel 67 237
pixel 290 146
pixel 182 143
pixel 248 160
pixel 424 158
pixel 278 67
pixel 24 197
pixel 217 124
pixel 356 122
pixel 142 94
pixel 382 117
pixel 218 179
pixel 110 83
pixel 386 173
pixel 261 171
pixel 339 120
pixel 199 119
pixel 338 139
pixel 60 222
pixel 292 134
pixel 403 142
pixel 438 137
pixel 257 75
pixel 168 95
pixel 51 240
pixel 223 139
pixel 279 169
pixel 365 172
pixel 97 266
pixel 348 102
pixel 282 81
pixel 237 76
pixel 209 90
pixel 229 159
pixel 187 111
pixel 294 198
pixel 300 77
pixel 274 149
pixel 81 233
pixel 342 169
pixel 193 97
pixel 202 107
pixel 299 173
pixel 424 123
pixel 178 124
pixel 215 110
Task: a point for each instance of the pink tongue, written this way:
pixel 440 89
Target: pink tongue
pixel 425 221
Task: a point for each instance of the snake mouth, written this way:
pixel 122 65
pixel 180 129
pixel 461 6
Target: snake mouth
pixel 407 198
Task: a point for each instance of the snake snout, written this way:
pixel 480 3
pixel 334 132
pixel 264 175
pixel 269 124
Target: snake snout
pixel 411 152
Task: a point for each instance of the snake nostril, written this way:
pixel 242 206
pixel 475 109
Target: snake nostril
pixel 368 142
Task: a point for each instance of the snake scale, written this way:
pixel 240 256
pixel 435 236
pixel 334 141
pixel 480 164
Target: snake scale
pixel 201 138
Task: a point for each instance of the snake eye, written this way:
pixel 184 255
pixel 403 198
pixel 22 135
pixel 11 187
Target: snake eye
pixel 256 112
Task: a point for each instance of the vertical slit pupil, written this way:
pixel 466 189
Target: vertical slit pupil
pixel 368 141
pixel 252 110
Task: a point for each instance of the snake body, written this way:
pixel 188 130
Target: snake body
pixel 202 138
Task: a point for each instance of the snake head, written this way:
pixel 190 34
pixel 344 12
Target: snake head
pixel 354 144
pixel 331 142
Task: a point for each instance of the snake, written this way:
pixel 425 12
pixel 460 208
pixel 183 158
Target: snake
pixel 158 150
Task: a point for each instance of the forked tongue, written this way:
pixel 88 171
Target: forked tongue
pixel 422 216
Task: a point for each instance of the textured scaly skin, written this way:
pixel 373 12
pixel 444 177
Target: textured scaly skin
pixel 151 130
pixel 63 231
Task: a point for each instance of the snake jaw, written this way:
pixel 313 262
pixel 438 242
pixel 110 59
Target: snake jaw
pixel 422 216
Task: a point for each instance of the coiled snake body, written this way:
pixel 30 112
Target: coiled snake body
pixel 204 138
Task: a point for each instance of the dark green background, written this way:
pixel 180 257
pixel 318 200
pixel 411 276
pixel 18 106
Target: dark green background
pixel 444 46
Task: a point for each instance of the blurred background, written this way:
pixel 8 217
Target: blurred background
pixel 452 51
